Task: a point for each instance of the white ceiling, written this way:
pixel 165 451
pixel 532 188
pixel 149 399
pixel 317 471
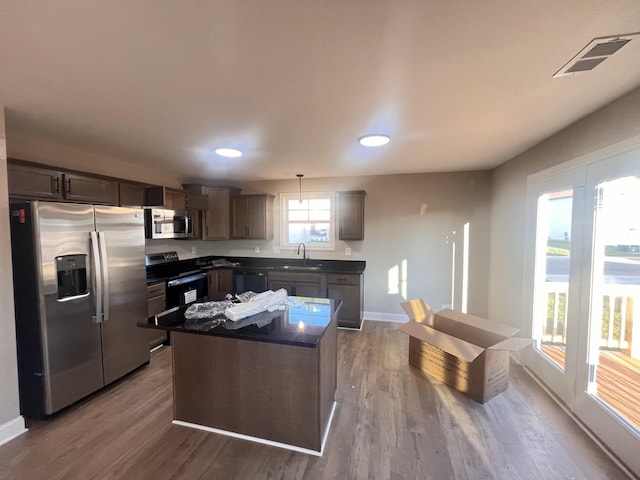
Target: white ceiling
pixel 459 85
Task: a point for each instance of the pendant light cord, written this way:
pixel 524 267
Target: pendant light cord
pixel 300 175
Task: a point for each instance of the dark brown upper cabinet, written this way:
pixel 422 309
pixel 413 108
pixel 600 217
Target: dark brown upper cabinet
pixel 33 182
pixel 215 220
pixel 132 194
pixel 175 199
pixel 86 189
pixel 351 215
pixel 252 217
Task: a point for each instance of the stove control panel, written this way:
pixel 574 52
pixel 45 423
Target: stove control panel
pixel 164 257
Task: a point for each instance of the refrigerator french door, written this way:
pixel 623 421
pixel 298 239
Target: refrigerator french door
pixel 80 289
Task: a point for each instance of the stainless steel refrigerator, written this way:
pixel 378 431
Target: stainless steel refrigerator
pixel 79 289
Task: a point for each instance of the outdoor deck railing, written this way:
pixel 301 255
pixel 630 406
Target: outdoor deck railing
pixel 620 306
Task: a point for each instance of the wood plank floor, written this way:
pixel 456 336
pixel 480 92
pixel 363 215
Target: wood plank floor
pixel 392 422
pixel 617 378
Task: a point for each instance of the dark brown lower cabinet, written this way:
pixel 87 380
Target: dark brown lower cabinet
pixel 299 284
pixel 220 283
pixel 349 289
pixel 346 287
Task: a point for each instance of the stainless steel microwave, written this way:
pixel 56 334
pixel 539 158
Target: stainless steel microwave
pixel 160 223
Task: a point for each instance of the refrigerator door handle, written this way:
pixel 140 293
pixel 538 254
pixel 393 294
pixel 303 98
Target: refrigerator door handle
pixel 97 273
pixel 104 265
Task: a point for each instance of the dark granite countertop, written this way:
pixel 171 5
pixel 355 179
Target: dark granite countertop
pixel 283 264
pixel 160 273
pixel 301 325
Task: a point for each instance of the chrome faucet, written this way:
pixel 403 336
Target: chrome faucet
pixel 304 252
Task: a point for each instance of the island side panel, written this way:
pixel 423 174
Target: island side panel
pixel 265 390
pixel 328 350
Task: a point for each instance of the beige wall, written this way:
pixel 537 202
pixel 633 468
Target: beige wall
pixel 396 234
pixel 10 421
pixel 54 154
pixel 615 123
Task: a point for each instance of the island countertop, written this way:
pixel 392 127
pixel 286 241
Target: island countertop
pixel 303 324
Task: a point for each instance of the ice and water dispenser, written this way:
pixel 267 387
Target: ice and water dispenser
pixel 71 272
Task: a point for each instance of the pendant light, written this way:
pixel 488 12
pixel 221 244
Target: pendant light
pixel 300 175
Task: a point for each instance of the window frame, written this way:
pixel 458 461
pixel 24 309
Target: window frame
pixel 285 197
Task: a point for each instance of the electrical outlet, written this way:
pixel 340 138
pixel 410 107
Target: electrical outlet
pixel 193 250
pixel 257 249
pixel 347 251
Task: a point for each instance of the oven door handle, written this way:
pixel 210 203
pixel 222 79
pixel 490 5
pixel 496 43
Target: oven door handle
pixel 189 279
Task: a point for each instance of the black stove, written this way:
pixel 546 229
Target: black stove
pixel 162 266
pixel 184 281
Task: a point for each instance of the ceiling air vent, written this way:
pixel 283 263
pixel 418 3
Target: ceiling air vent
pixel 596 52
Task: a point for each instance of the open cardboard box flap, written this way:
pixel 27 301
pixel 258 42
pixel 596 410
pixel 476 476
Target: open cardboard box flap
pixel 418 311
pixel 448 343
pixel 500 329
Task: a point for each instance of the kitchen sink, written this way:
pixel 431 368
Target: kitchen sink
pixel 302 267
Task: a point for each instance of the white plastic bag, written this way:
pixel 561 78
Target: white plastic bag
pixel 261 302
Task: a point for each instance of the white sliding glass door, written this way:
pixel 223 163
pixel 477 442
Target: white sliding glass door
pixel 608 376
pixel 583 291
pixel 553 279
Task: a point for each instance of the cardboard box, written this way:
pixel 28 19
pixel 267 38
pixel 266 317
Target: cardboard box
pixel 469 353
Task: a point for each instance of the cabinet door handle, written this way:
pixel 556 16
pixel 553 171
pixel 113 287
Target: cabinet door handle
pixel 55 184
pixel 67 185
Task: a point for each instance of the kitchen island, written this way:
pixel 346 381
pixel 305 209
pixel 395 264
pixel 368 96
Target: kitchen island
pixel 269 378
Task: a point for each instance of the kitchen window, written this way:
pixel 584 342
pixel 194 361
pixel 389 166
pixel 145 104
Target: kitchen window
pixel 308 218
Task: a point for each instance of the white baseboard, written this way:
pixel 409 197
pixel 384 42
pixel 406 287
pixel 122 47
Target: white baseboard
pixel 12 429
pixel 385 317
pixel 264 441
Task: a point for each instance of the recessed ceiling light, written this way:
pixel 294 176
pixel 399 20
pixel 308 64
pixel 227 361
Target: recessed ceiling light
pixel 228 152
pixel 375 140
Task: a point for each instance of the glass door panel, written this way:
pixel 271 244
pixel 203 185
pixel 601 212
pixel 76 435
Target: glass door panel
pixel 552 265
pixel 614 325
